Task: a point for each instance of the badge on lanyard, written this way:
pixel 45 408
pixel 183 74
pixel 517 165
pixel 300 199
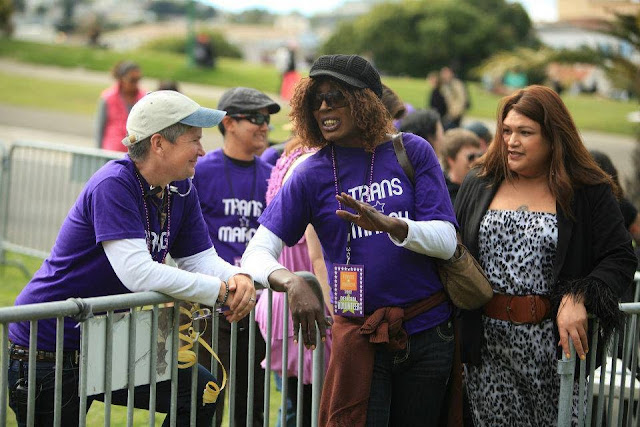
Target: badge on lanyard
pixel 348 279
pixel 348 290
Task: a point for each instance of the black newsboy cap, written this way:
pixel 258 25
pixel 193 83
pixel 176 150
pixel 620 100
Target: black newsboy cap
pixel 353 70
pixel 244 100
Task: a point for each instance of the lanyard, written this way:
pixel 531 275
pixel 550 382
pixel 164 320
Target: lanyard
pixel 339 190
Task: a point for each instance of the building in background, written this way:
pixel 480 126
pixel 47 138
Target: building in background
pixel 570 10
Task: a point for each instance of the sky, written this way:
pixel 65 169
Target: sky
pixel 539 10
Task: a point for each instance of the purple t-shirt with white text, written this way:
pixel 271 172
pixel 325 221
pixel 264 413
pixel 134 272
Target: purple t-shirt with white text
pixel 393 276
pixel 232 197
pixel 110 207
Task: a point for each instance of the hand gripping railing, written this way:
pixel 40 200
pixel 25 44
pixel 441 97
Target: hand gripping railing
pixel 607 395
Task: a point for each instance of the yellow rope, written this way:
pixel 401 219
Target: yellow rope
pixel 188 358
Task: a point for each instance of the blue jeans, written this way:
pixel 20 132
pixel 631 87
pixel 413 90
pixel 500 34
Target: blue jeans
pixel 45 380
pixel 408 387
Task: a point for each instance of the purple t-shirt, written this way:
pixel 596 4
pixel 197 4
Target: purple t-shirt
pixel 270 155
pixel 110 207
pixel 232 197
pixel 393 276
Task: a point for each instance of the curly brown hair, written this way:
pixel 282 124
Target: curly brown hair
pixel 571 164
pixel 369 114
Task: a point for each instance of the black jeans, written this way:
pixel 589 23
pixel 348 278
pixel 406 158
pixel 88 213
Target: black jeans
pixel 45 380
pixel 408 387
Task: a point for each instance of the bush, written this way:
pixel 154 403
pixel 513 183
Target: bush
pixel 221 46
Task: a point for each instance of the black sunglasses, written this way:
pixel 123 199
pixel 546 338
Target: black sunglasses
pixel 255 118
pixel 333 99
pixel 472 156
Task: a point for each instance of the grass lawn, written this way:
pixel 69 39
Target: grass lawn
pixel 590 112
pixel 13 280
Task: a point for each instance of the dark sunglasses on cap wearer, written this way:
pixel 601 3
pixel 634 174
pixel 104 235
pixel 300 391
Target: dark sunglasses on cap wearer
pixel 472 156
pixel 255 118
pixel 333 99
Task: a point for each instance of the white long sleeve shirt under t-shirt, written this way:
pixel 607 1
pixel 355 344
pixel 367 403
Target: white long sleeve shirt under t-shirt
pixel 433 238
pixel 197 278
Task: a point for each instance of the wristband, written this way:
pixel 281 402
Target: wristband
pixel 226 294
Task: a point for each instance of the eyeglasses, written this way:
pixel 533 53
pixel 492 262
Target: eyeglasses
pixel 255 118
pixel 472 156
pixel 333 99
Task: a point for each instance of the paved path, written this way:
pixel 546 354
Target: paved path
pixel 19 123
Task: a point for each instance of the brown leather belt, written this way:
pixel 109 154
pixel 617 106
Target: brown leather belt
pixel 518 309
pixel 18 352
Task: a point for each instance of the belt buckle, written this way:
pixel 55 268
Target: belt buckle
pixel 509 310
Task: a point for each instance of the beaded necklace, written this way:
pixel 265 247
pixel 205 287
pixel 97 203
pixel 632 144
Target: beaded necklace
pixel 338 190
pixel 147 233
pixel 335 174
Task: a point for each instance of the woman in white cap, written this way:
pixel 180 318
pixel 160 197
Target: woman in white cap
pixel 131 214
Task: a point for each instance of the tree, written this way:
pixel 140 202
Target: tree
pixel 6 12
pixel 415 37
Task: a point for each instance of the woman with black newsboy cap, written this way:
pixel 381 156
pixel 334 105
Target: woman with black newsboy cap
pixel 392 337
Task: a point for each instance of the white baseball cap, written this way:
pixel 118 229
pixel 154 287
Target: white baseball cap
pixel 163 108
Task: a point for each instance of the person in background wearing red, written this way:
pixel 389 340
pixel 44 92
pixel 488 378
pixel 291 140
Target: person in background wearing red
pixel 115 104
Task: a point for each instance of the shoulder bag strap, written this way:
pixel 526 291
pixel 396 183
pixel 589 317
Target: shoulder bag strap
pixel 403 159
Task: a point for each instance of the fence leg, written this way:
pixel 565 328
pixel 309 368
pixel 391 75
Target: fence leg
pixel 566 370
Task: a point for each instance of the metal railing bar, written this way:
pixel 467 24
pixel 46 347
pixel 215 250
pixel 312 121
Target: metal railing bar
pixel 57 395
pixel 318 379
pixel 69 308
pixel 84 362
pixel 285 360
pixel 299 391
pixel 233 366
pixel 131 366
pixel 108 368
pixel 175 343
pixel 4 374
pixel 250 364
pixel 267 374
pixel 31 376
pixel 152 366
pixel 196 395
pixel 592 367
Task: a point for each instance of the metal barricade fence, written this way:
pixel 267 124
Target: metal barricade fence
pixel 609 394
pixel 40 183
pixel 123 350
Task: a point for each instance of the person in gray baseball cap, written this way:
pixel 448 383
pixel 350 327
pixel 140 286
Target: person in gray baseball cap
pixel 232 184
pixel 132 213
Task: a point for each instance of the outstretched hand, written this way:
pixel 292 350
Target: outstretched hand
pixel 370 218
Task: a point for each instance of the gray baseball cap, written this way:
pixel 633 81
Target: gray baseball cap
pixel 245 99
pixel 158 110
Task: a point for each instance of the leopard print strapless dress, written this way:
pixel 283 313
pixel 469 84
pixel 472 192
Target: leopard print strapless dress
pixel 517 383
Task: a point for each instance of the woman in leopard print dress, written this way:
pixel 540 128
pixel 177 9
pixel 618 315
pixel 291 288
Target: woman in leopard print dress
pixel 542 219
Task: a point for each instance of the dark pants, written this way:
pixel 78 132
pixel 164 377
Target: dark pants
pixel 292 394
pixel 242 361
pixel 409 386
pixel 45 380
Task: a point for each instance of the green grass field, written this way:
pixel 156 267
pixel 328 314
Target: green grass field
pixel 590 112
